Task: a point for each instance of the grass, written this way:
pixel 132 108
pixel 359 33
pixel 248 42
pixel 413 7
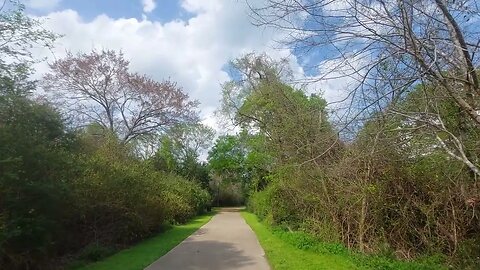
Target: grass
pixel 282 255
pixel 140 256
pixel 300 251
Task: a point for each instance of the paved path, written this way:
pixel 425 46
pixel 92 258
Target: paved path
pixel 226 242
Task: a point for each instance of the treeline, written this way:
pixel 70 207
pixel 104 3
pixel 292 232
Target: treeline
pixel 103 160
pixel 388 189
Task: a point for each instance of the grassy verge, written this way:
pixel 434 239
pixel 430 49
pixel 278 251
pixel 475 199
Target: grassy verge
pixel 297 250
pixel 140 256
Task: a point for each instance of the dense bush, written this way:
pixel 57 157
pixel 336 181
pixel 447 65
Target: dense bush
pixel 132 199
pixel 389 187
pixel 61 193
pixel 383 203
pixel 85 192
pixel 34 175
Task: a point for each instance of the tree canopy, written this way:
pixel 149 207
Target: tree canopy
pixel 98 87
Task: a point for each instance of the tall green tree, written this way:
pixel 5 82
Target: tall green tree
pixel 180 151
pixel 260 101
pixel 230 177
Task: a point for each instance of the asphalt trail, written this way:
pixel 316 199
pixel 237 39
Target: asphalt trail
pixel 226 242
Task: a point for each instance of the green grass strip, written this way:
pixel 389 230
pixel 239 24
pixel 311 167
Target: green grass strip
pixel 298 250
pixel 282 255
pixel 141 255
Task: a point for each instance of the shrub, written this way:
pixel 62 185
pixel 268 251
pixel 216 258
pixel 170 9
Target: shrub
pixel 123 200
pixel 94 252
pixel 62 194
pixel 34 173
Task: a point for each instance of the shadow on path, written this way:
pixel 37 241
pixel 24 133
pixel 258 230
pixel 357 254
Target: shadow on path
pixel 212 255
pixel 225 243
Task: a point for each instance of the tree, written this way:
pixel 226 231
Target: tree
pixel 296 125
pixel 180 150
pixel 190 140
pixel 18 34
pixel 98 87
pixel 226 161
pixel 429 120
pixel 249 71
pixel 227 155
pixel 389 47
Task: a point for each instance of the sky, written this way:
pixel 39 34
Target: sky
pixel 187 41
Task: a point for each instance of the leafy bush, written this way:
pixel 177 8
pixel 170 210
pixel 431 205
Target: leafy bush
pixel 126 200
pixel 409 210
pixel 94 252
pixel 468 256
pixel 61 193
pixel 34 173
pixel 259 203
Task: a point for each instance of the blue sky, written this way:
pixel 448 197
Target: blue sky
pixel 165 10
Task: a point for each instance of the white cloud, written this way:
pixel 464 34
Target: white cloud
pixel 42 4
pixel 191 52
pixel 196 6
pixel 148 5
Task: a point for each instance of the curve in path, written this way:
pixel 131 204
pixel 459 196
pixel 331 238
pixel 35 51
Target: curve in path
pixel 226 242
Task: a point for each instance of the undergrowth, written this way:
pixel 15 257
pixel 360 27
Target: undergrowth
pixel 286 248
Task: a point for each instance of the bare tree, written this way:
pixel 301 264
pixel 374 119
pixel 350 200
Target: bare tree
pixel 98 87
pixel 390 48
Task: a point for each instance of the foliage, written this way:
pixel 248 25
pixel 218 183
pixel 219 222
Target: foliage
pixel 63 192
pixel 180 149
pixel 19 33
pixel 226 161
pixel 399 39
pixel 34 171
pixel 295 125
pixel 82 193
pixel 406 182
pixel 136 198
pixel 299 250
pixel 391 190
pixel 227 156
